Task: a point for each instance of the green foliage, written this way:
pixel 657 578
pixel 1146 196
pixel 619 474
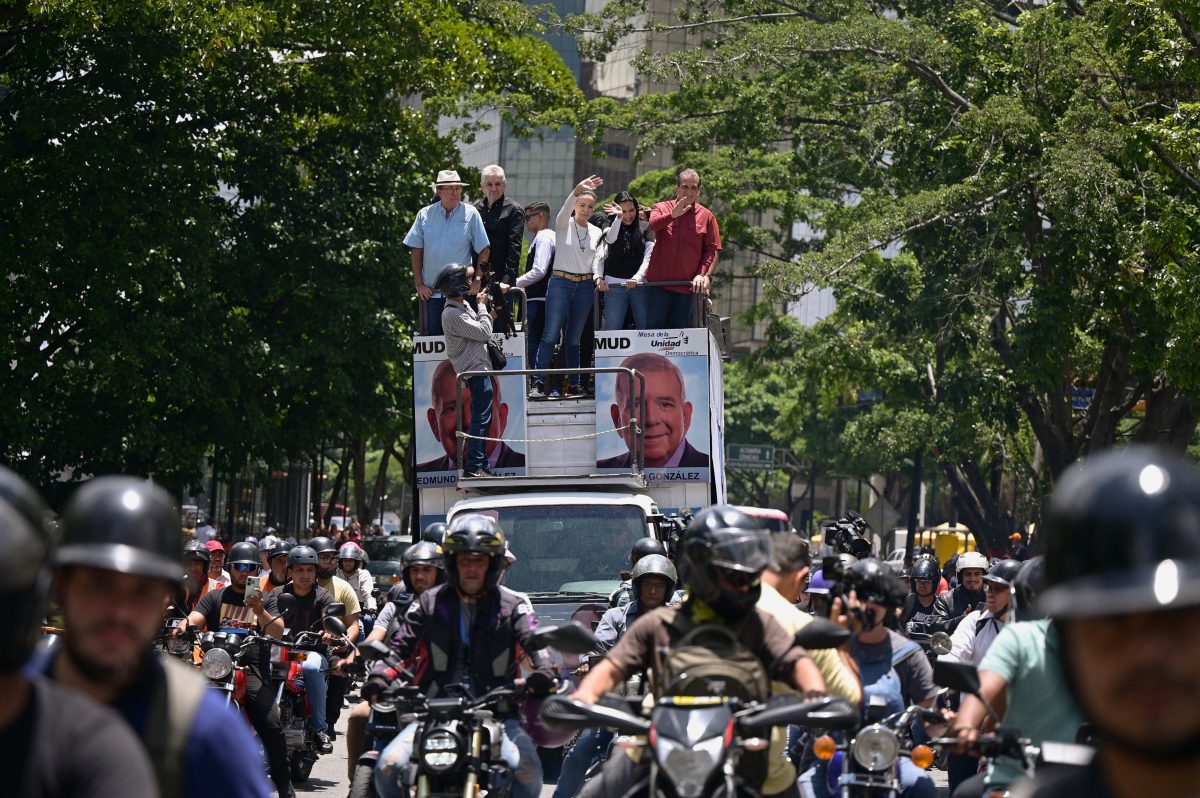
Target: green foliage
pixel 202 208
pixel 1038 171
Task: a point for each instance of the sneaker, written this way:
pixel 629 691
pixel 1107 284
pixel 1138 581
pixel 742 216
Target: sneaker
pixel 576 392
pixel 324 744
pixel 476 473
pixel 536 394
pixel 554 394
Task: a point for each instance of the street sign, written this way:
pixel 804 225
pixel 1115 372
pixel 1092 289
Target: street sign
pixel 751 457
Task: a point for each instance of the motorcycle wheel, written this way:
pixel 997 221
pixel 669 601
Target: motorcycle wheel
pixel 300 768
pixel 363 783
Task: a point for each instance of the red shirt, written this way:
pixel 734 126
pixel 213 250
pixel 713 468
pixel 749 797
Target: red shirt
pixel 683 247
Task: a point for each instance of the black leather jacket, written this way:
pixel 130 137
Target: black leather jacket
pixel 952 605
pixel 504 620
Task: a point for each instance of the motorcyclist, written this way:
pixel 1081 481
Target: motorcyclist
pixel 278 562
pixel 434 533
pixel 722 556
pixel 195 575
pixel 892 668
pixel 352 568
pixel 422 569
pixel 472 627
pixel 641 547
pixel 344 593
pixel 653 582
pixel 971 640
pixel 1021 677
pixel 311 603
pixel 1122 541
pixel 951 607
pixel 265 546
pixel 919 610
pixel 782 582
pixel 55 742
pixel 117 567
pixel 817 592
pixel 216 563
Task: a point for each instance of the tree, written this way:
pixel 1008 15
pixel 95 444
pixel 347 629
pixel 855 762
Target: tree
pixel 1037 169
pixel 201 212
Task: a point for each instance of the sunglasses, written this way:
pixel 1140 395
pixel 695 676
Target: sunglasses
pixel 244 567
pixel 738 578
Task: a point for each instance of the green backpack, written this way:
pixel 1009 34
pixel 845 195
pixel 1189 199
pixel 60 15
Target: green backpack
pixel 708 660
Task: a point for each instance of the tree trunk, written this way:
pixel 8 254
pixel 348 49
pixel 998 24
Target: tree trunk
pixel 375 507
pixel 337 486
pixel 359 446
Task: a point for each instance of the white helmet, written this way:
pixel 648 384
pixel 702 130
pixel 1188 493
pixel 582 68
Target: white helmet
pixel 971 559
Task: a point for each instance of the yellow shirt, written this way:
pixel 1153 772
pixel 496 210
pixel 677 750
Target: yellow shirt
pixel 840 681
pixel 343 592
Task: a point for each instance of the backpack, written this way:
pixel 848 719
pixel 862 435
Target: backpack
pixel 709 660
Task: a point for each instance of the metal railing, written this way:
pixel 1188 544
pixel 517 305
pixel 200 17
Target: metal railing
pixel 518 322
pixel 637 399
pixel 699 307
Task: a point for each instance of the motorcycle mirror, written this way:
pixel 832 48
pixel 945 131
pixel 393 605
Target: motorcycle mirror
pixel 569 638
pixel 285 603
pixel 822 633
pixel 956 675
pixel 939 643
pixel 828 713
pixel 333 625
pixel 560 712
pixel 335 610
pixel 373 649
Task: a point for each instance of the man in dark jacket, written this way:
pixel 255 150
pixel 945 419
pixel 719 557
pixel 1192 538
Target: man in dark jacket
pixel 952 605
pixel 472 627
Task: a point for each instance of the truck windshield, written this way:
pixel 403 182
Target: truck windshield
pixel 569 549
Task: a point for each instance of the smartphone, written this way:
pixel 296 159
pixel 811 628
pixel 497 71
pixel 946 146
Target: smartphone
pixel 252 587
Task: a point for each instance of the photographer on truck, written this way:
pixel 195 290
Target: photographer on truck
pixel 467 333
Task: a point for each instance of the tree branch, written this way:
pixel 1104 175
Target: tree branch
pixel 1188 179
pixel 1185 26
pixel 708 23
pixel 921 70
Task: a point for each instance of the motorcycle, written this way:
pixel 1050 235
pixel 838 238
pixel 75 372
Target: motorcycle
pixel 1006 741
pixel 457 740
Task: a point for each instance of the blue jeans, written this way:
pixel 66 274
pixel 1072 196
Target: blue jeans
pixel 616 302
pixel 433 314
pixel 667 309
pixel 639 298
pixel 914 782
pixel 316 686
pixel 587 749
pixel 568 304
pixel 517 748
pixel 535 322
pixel 481 420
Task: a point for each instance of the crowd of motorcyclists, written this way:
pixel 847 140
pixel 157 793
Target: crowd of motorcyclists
pixel 732 661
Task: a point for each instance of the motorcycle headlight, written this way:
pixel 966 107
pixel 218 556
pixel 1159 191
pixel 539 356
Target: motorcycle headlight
pixel 689 768
pixel 217 664
pixel 441 750
pixel 875 748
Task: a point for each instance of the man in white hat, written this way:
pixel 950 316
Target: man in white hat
pixel 446 232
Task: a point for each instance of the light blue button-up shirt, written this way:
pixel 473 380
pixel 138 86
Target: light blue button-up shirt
pixel 445 239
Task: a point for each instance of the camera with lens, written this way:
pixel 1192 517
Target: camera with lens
pixel 845 535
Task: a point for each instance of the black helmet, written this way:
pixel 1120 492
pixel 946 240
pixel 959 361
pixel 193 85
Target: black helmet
pixel 926 569
pixel 452 281
pixel 123 524
pixel 243 553
pixel 302 555
pixel 476 534
pixel 322 544
pixel 195 550
pixel 1003 572
pixel 724 537
pixel 26 551
pixel 423 553
pixel 1026 586
pixel 1122 536
pixel 280 549
pixel 644 546
pixel 874 581
pixel 655 565
pixel 435 532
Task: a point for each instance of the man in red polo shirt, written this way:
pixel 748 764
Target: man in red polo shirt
pixel 687 241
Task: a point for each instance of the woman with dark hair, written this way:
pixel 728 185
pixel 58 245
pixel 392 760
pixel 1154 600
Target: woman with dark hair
pixel 621 263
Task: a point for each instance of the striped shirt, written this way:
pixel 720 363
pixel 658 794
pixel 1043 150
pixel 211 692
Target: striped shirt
pixel 467 333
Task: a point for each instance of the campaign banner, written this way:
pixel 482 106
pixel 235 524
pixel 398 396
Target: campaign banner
pixel 677 431
pixel 435 406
